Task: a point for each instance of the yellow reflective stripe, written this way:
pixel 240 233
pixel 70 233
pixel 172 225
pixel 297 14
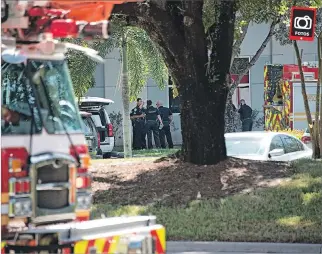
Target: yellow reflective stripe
pixel 161 235
pixel 4 198
pixel 99 244
pixel 3 244
pixel 80 247
pixel 114 244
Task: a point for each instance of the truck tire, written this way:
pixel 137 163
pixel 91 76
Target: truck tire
pixel 107 155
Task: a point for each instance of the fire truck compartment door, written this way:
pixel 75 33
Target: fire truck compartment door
pixel 299 116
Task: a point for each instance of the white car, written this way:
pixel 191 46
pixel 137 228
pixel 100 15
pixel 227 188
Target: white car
pixel 266 146
pixel 96 106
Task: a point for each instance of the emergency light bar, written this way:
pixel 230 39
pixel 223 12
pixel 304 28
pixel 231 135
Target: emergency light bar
pixel 47 48
pixel 63 19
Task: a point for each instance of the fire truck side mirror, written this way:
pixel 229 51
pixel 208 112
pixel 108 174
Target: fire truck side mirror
pixel 13 56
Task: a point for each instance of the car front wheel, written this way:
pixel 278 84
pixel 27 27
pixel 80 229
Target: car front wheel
pixel 106 155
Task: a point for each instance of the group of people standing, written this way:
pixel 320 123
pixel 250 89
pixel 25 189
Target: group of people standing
pixel 148 121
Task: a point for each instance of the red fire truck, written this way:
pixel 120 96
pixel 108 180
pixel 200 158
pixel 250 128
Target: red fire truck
pixel 283 100
pixel 45 183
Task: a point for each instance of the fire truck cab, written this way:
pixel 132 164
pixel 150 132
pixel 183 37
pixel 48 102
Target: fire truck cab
pixel 45 183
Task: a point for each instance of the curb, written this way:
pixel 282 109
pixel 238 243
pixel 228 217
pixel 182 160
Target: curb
pixel 241 247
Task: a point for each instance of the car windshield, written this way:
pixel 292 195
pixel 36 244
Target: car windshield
pixel 244 146
pixel 52 92
pixel 56 96
pixel 19 114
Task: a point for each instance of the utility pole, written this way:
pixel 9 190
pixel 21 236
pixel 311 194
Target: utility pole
pixel 127 143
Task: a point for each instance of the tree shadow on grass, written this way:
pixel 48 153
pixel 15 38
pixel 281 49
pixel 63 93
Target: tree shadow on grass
pixel 289 212
pixel 173 183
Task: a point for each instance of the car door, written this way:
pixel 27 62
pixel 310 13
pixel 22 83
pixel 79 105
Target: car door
pixel 292 148
pixel 303 152
pixel 89 135
pixel 277 143
pixel 94 131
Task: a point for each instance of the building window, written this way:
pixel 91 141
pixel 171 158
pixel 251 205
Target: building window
pixel 174 101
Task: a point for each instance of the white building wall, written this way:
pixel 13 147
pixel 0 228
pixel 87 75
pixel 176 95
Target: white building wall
pixel 107 76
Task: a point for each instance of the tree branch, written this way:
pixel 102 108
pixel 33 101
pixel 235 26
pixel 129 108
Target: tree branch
pixel 254 59
pixel 222 30
pixel 306 103
pixel 160 25
pixel 238 43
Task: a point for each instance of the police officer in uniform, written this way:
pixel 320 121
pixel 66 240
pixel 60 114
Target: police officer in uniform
pixel 152 124
pixel 245 112
pixel 166 116
pixel 137 116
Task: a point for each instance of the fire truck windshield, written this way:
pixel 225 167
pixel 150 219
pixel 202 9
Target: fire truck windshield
pixel 46 88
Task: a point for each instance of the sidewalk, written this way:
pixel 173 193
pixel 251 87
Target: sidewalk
pixel 241 248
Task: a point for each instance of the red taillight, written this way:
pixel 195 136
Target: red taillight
pixel 98 140
pixel 110 130
pixel 306 139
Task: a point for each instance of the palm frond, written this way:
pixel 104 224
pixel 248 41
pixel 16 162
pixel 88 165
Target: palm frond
pixel 138 71
pixel 150 56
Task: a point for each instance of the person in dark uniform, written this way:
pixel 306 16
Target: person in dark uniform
pixel 166 116
pixel 152 117
pixel 137 116
pixel 245 112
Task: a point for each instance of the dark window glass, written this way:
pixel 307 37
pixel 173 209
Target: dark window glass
pixel 17 100
pixel 290 144
pixel 276 143
pixel 300 145
pixel 56 96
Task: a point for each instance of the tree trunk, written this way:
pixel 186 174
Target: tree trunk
pixel 127 144
pixel 201 81
pixel 317 147
pixel 304 94
pixel 318 122
pixel 203 100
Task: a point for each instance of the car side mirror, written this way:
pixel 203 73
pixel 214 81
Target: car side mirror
pixel 276 152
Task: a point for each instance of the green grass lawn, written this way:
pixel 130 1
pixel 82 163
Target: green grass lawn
pixel 290 212
pixel 154 152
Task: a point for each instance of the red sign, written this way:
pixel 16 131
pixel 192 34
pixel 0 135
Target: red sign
pixel 244 80
pixel 302 25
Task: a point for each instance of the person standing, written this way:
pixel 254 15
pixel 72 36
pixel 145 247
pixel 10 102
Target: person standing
pixel 152 126
pixel 245 113
pixel 167 118
pixel 137 116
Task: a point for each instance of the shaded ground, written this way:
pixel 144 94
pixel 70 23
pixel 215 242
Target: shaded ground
pixel 171 182
pixel 287 210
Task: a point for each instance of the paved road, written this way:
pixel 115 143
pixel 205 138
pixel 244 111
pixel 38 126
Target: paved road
pixel 241 248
